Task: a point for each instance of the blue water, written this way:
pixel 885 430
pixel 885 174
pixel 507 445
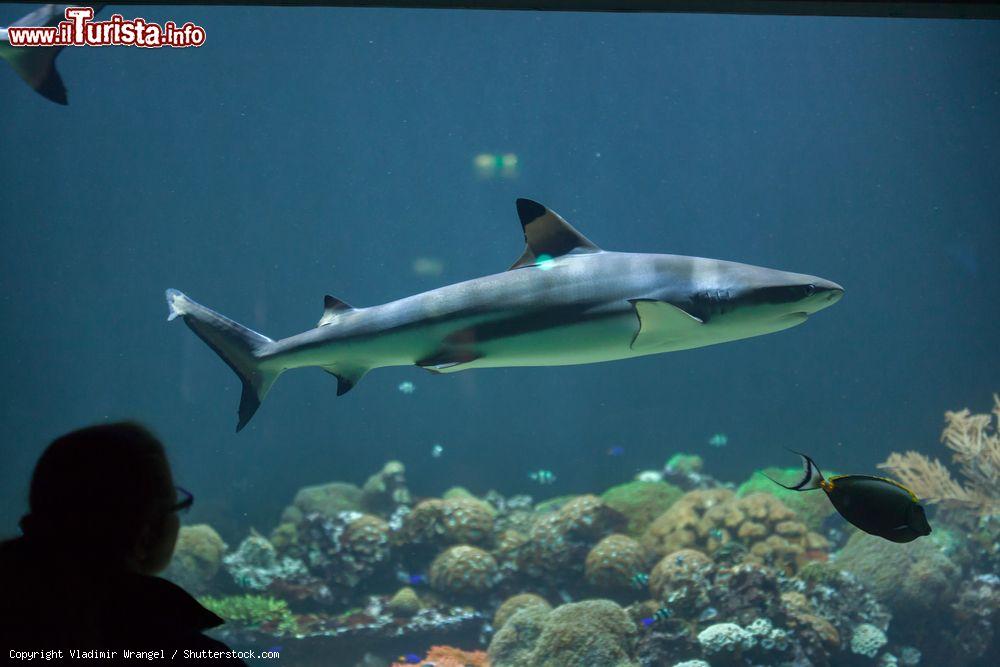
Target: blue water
pixel 307 151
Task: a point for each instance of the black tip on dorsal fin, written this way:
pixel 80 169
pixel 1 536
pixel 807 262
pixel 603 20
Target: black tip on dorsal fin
pixel 528 210
pixel 545 233
pixel 332 306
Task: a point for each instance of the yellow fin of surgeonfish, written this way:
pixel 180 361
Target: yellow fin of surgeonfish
pixel 912 495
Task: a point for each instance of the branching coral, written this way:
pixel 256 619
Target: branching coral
pixel 975 443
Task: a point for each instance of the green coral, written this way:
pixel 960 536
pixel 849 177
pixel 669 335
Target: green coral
pixel 685 464
pixel 818 572
pixel 811 508
pixel 197 558
pixel 553 504
pixel 915 580
pixel 592 632
pixel 252 611
pixel 641 502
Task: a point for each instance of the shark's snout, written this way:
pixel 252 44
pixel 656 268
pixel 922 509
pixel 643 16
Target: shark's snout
pixel 827 291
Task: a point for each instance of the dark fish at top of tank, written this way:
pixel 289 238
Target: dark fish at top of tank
pixel 877 505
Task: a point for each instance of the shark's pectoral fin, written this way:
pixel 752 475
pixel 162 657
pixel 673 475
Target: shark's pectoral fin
pixel 347 377
pixel 448 361
pixel 661 323
pixel 332 306
pixel 547 236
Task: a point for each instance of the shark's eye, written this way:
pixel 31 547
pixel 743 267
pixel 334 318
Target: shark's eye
pixel 810 289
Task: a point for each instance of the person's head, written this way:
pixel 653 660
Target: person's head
pixel 105 494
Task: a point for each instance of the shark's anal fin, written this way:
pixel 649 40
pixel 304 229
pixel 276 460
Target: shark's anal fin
pixel 332 306
pixel 346 377
pixel 547 236
pixel 448 361
pixel 661 323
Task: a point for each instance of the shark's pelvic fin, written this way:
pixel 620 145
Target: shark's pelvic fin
pixel 347 377
pixel 545 233
pixel 660 323
pixel 332 306
pixel 448 361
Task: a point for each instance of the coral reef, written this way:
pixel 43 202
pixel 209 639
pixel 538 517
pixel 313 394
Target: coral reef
pixel 868 640
pixel 560 540
pixel 405 602
pixel 679 580
pixel 913 580
pixel 682 525
pixel 516 603
pixel 463 571
pixel 253 611
pixel 386 490
pixel 438 523
pixel 346 548
pixel 811 508
pixel 328 500
pixel 709 576
pixel 197 558
pixel 255 565
pixel 709 520
pixel 974 440
pixel 641 503
pixel 613 562
pixel 449 656
pixel 593 632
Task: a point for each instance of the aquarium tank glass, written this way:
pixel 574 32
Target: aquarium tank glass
pixel 605 339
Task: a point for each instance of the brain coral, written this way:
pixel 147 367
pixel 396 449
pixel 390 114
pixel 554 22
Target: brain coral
pixel 682 525
pixel 613 562
pixel 680 580
pixel 516 603
pixel 811 508
pixel 463 570
pixel 914 580
pixel 346 548
pixel 453 521
pixel 592 632
pixel 560 540
pixel 712 519
pixel 197 557
pixel 641 503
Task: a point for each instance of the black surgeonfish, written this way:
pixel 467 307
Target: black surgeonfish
pixel 876 505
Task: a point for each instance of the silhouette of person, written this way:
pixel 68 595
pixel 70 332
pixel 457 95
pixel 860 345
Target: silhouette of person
pixel 102 521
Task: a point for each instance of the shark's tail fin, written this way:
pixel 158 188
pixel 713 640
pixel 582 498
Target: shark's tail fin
pixel 37 66
pixel 238 346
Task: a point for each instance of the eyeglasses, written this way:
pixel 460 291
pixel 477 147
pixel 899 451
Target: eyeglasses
pixel 185 502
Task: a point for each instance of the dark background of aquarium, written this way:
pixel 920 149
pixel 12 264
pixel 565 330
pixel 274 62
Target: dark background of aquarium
pixel 306 151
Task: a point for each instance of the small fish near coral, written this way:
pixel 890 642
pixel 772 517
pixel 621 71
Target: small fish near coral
pixel 877 505
pixel 542 476
pixel 616 451
pixel 639 580
pixel 661 614
pixel 719 440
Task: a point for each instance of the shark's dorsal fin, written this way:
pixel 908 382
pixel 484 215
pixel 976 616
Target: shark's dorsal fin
pixel 545 233
pixel 332 306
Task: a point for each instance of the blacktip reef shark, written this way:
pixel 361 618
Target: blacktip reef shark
pixel 37 65
pixel 564 301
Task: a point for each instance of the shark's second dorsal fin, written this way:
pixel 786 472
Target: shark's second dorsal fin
pixel 332 306
pixel 545 233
